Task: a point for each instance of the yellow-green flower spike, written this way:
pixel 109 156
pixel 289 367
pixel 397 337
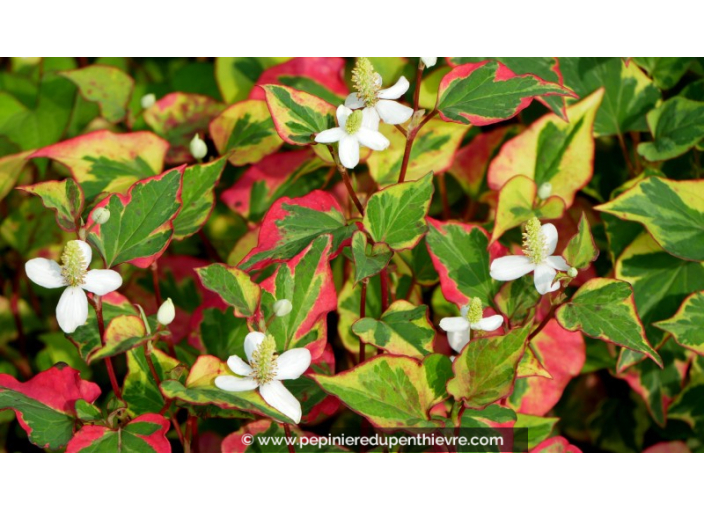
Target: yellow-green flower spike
pixel 263 362
pixel 475 312
pixel 354 122
pixel 534 242
pixel 366 81
pixel 73 267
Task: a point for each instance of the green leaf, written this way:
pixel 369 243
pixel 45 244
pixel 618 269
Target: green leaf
pixel 392 391
pixel 402 329
pixel 87 412
pixel 672 211
pixel 140 391
pixel 539 427
pixel 222 333
pixel 581 249
pixel 64 197
pixel 604 308
pixel 140 225
pixel 677 125
pixel 516 299
pixel 197 196
pixel 368 259
pixel 492 422
pixel 298 116
pixel 686 325
pixel 10 169
pixel 486 368
pixel 108 86
pixel 396 215
pixel 488 92
pixel 665 71
pixel 233 285
pixel 123 333
pixel 145 434
pixel 237 75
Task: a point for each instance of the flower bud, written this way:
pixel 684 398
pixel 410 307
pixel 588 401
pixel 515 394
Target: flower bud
pixel 166 313
pixel 148 100
pixel 429 61
pixel 545 191
pixel 572 273
pixel 198 147
pixel 100 215
pixel 282 307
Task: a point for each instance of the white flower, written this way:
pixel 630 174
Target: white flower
pixel 100 215
pixel 429 61
pixel 470 319
pixel 265 371
pixel 282 307
pixel 147 100
pixel 356 128
pixel 198 147
pixel 377 103
pixel 539 244
pixel 166 313
pixel 72 310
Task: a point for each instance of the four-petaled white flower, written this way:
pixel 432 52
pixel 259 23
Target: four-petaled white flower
pixel 356 128
pixel 470 318
pixel 265 371
pixel 539 244
pixel 73 273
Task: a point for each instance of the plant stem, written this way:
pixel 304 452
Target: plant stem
pixel 411 134
pixel 155 281
pixel 97 303
pixel 384 289
pixel 443 196
pixel 179 432
pixel 287 430
pixel 191 444
pixel 409 145
pixel 624 150
pixel 362 315
pixel 347 181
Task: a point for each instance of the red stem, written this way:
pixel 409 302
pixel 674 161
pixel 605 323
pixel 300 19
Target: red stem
pixel 287 430
pixel 362 314
pixel 384 289
pixel 347 181
pixel 98 305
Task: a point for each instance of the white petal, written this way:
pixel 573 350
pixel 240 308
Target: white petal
pixel 454 324
pixel 429 61
pixel 102 281
pixel 72 310
pixel 353 101
pixel 558 263
pixel 393 112
pixel 232 383
pixel 370 118
pixel 464 311
pixel 396 91
pixel 510 267
pixel 293 363
pixel 489 323
pixel 251 342
pixel 372 139
pixel 550 233
pixel 543 277
pixel 458 339
pixel 44 272
pixel 238 366
pixel 87 252
pixel 330 135
pixel 349 151
pixel 277 396
pixel 342 113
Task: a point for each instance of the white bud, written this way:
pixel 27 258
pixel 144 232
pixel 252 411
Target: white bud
pixel 148 100
pixel 429 61
pixel 166 313
pixel 282 307
pixel 198 147
pixel 572 272
pixel 545 191
pixel 100 215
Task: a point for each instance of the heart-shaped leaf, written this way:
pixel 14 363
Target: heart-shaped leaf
pixel 369 259
pixel 65 198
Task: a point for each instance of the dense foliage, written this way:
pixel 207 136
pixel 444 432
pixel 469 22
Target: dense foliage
pixel 197 250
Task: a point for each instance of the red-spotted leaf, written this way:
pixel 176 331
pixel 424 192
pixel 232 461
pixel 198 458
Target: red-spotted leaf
pixel 233 285
pixel 306 281
pixel 284 174
pixel 108 86
pixel 562 353
pixel 140 225
pixel 396 215
pixel 556 445
pixel 291 225
pixel 198 197
pixel 245 132
pixel 177 117
pixel 461 256
pixel 105 161
pixel 298 116
pixel 489 92
pixel 486 368
pixel 392 391
pixel 144 434
pixel 65 198
pixel 45 405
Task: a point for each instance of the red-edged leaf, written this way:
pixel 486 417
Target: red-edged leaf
pixel 145 434
pixel 669 447
pixel 291 225
pixel 65 198
pixel 105 161
pixel 45 405
pixel 556 445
